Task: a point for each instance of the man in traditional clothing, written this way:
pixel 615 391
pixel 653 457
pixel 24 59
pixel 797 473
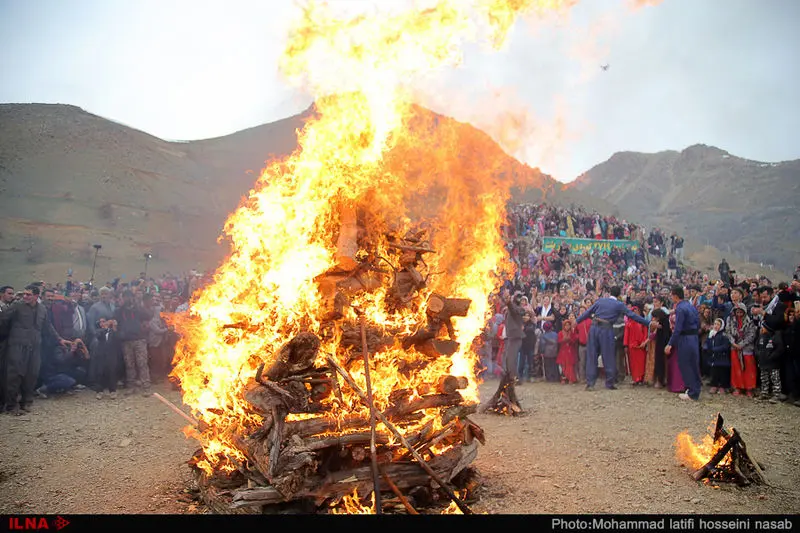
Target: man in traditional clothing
pixel 685 339
pixel 27 321
pixel 605 311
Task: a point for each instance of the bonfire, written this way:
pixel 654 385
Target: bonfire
pixel 330 363
pixel 722 456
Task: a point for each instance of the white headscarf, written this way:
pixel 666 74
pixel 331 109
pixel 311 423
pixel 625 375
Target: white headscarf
pixel 721 328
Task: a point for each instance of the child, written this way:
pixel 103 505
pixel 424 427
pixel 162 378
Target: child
pixel 107 357
pixel 635 337
pixel 718 350
pixel 769 353
pixel 548 349
pixel 567 352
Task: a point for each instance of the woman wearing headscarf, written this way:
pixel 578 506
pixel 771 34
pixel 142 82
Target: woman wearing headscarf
pixel 548 349
pixel 675 381
pixel 656 365
pixel 718 348
pixel 742 333
pixel 635 340
pixel 706 324
pixel 567 352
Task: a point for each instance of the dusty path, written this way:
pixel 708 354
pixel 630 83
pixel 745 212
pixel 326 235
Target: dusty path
pixel 577 452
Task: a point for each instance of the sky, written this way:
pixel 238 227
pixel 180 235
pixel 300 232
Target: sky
pixel 719 72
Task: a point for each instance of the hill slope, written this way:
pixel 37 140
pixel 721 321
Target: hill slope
pixel 742 207
pixel 70 179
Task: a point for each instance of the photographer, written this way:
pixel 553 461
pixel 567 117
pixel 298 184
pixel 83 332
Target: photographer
pixel 514 335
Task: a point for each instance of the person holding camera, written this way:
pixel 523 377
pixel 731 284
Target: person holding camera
pixel 514 333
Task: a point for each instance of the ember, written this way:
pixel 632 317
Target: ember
pixel 722 456
pixel 330 362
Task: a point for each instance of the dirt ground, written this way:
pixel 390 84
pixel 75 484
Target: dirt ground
pixel 575 452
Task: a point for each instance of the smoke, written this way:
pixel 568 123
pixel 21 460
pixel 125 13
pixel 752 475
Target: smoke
pixel 638 4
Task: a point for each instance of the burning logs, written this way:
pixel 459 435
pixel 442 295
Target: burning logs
pixel 311 463
pixel 504 401
pixel 308 434
pixel 731 461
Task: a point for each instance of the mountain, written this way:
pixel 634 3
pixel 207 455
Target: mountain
pixel 742 207
pixel 70 179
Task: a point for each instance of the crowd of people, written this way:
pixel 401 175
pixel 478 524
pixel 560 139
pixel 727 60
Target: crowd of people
pixel 565 316
pixel 746 331
pixel 59 338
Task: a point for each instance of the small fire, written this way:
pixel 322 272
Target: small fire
pixel 351 504
pixel 693 454
pixel 368 150
pixel 696 455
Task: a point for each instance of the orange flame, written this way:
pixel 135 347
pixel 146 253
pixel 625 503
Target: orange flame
pixel 366 147
pixel 694 454
pixel 351 504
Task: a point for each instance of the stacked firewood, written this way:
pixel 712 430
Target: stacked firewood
pixel 307 455
pixel 731 462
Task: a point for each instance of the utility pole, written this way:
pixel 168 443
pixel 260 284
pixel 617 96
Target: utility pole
pixel 94 263
pixel 147 258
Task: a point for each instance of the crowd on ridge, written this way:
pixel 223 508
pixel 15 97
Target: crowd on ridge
pixel 62 337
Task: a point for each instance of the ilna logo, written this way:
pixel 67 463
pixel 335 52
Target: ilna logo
pixel 36 523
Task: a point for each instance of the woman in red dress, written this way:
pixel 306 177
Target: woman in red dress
pixel 567 352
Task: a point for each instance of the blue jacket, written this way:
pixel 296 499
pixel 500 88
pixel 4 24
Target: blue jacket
pixel 724 308
pixel 610 310
pixel 719 347
pixel 686 319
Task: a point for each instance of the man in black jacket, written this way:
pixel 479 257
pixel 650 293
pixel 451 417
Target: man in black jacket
pixel 26 320
pixel 132 331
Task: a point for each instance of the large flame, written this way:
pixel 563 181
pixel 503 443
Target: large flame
pixel 365 147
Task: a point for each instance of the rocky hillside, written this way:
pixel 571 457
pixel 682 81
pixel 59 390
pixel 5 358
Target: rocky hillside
pixel 70 179
pixel 741 207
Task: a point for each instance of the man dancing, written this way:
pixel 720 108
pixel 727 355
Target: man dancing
pixel 605 311
pixel 684 338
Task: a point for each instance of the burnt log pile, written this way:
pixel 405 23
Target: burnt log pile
pixel 731 463
pixel 310 450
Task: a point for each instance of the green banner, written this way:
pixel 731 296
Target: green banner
pixel 579 246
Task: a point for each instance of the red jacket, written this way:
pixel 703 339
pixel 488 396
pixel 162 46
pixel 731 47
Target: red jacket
pixel 634 335
pixel 583 331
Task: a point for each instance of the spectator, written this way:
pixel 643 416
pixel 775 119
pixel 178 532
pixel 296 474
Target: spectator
pixel 527 357
pixel 103 309
pixel 156 339
pixel 26 320
pixel 741 331
pixel 724 270
pixel 106 351
pixel 567 352
pixel 548 351
pixel 131 318
pixel 718 349
pixel 769 351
